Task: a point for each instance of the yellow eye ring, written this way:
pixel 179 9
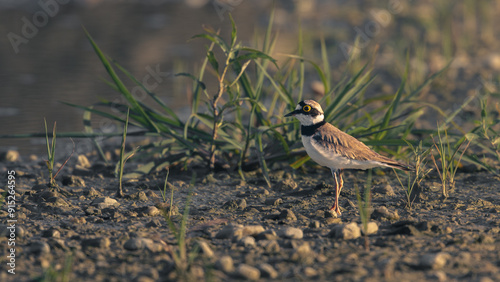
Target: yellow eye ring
pixel 306 108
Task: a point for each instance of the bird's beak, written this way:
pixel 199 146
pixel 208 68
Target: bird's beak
pixel 292 113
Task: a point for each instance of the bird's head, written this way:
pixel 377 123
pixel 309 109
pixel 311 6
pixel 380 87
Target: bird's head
pixel 308 112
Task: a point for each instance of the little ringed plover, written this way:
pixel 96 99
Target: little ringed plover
pixel 337 150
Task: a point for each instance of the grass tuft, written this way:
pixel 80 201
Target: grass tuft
pixel 447 153
pixel 51 155
pixel 182 258
pixel 413 184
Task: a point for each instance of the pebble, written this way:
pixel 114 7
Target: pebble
pixel 10 156
pixel 291 233
pixel 205 249
pixel 83 162
pixel 270 246
pixel 438 276
pixel 225 263
pixel 57 202
pixel 154 223
pixel 493 61
pixel 39 248
pixel 287 215
pixel 247 242
pixel 20 231
pixel 236 232
pixel 346 231
pixel 315 224
pixel 303 253
pixel 134 244
pixel 197 272
pixel 101 243
pixel 273 201
pixel 252 230
pixel 105 202
pixel 240 204
pixel 310 272
pixel 57 243
pixel 387 266
pixel 385 190
pixel 372 228
pixel 384 213
pixel 92 211
pixel 143 278
pixel 286 185
pixel 227 232
pixel 93 193
pixel 408 228
pixel 267 235
pixel 485 239
pixel 139 196
pixel 248 272
pixel 73 181
pixel 465 258
pixel 434 261
pixel 268 271
pixel 148 211
pixel 51 233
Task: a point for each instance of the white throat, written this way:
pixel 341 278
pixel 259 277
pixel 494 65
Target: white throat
pixel 309 120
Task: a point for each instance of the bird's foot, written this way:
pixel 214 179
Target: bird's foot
pixel 336 209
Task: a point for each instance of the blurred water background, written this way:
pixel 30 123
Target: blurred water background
pixel 45 57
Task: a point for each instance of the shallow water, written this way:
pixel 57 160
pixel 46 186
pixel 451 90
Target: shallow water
pixel 52 61
pixel 41 66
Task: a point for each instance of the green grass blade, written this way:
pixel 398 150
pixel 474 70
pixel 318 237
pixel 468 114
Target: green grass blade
pixel 395 102
pixel 123 89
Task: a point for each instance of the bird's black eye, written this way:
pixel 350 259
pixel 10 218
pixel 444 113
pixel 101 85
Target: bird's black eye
pixel 306 108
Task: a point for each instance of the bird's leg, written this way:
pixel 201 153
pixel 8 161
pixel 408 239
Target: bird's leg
pixel 341 173
pixel 338 186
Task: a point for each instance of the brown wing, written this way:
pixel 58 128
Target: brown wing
pixel 338 142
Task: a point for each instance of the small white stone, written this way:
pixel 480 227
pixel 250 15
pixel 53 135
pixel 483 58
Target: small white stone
pixel 248 272
pixel 247 242
pixel 434 261
pixel 104 202
pixel 372 228
pixel 205 248
pixel 225 263
pixel 268 271
pixel 347 231
pixel 291 233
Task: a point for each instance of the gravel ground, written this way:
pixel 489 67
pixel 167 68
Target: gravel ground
pixel 239 230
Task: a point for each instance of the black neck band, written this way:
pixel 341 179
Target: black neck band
pixel 308 130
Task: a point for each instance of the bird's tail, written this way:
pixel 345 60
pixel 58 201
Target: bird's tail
pixel 400 166
pixel 395 164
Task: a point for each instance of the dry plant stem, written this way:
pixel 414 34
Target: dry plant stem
pixel 443 183
pixel 66 161
pixel 217 114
